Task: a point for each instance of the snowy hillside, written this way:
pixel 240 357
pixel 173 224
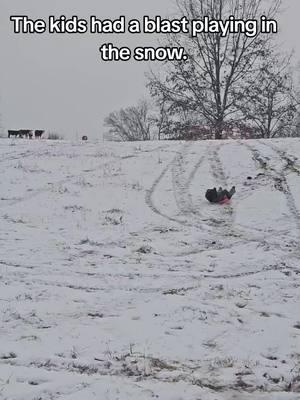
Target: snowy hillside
pixel 120 281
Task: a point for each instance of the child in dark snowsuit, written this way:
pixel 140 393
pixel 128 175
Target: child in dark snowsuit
pixel 220 195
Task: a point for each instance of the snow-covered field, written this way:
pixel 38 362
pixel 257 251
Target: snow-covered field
pixel 120 281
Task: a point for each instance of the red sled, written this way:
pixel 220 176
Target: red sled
pixel 224 201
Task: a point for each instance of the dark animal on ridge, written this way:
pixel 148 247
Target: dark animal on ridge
pixel 13 133
pixel 21 133
pixel 38 134
pixel 25 133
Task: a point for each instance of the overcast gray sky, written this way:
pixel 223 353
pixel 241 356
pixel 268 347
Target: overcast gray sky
pixel 58 82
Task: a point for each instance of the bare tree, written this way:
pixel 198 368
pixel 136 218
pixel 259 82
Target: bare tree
pixel 130 124
pixel 210 81
pixel 271 102
pixel 161 120
pixel 165 122
pixel 296 130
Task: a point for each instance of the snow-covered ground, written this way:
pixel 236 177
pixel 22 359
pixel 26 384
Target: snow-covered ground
pixel 120 281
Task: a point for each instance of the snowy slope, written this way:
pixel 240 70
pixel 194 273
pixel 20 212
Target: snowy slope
pixel 120 281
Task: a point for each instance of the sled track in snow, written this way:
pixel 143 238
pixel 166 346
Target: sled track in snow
pixel 212 224
pixel 279 180
pixel 149 194
pixel 182 195
pixel 29 278
pixel 222 230
pixel 216 166
pixel 181 186
pixel 105 288
pixel 236 276
pixel 232 235
pixel 194 171
pixel 292 162
pixel 217 225
pixel 233 230
pixel 184 202
pixel 181 189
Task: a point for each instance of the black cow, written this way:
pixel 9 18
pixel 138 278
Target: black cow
pixel 38 134
pixel 25 133
pixel 13 133
pixel 20 133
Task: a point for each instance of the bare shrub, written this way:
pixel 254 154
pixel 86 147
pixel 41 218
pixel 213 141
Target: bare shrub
pixel 54 136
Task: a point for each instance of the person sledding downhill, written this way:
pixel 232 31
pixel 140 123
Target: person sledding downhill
pixel 220 196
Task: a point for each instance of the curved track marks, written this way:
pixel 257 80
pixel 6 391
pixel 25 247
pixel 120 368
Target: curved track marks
pixel 149 195
pixel 219 228
pixel 181 189
pixel 278 180
pixel 222 227
pixel 181 184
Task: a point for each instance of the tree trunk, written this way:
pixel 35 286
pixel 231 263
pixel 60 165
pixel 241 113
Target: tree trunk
pixel 218 130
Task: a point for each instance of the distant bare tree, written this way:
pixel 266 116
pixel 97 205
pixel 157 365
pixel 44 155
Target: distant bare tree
pixel 130 124
pixel 296 130
pixel 173 123
pixel 210 82
pixel 271 102
pixel 161 119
